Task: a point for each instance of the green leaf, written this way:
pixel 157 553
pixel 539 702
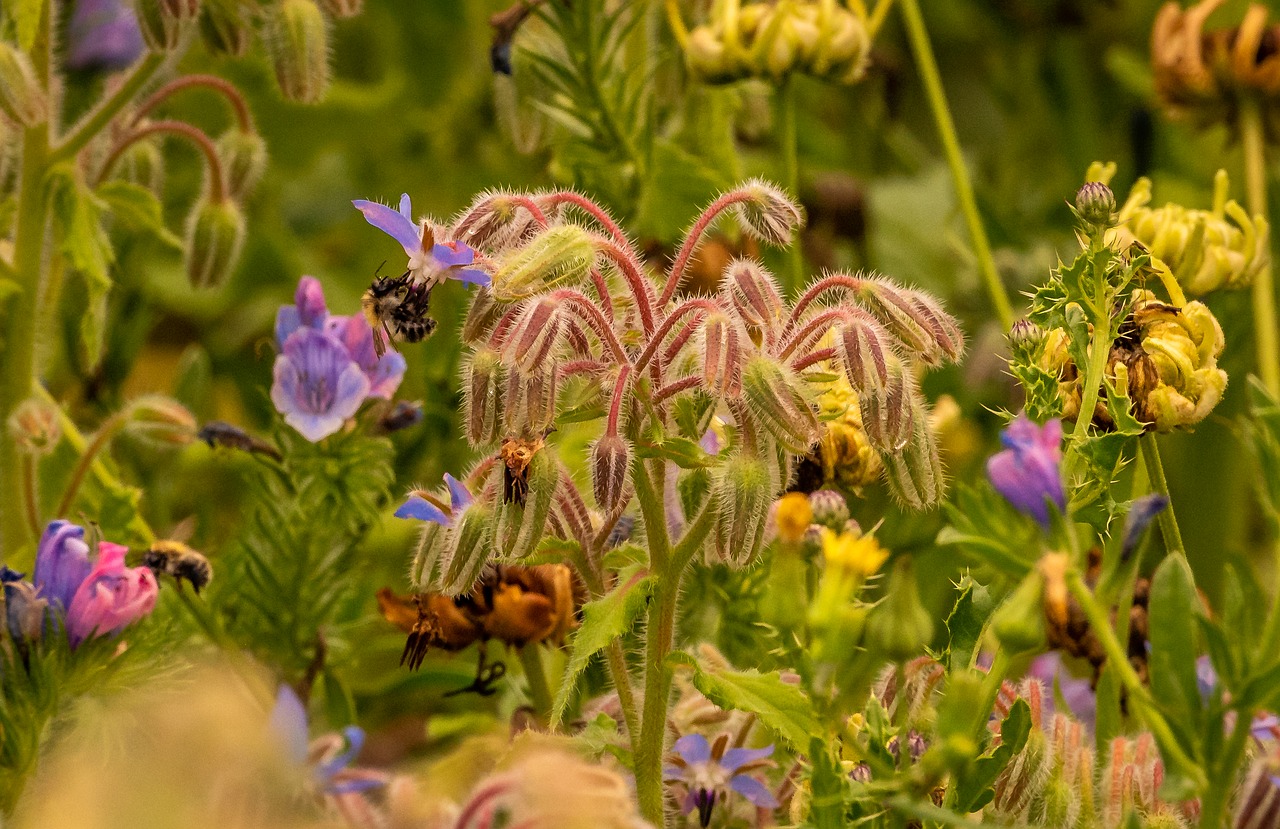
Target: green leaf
pixel 828 787
pixel 1171 620
pixel 79 215
pixel 684 453
pixel 973 787
pixel 26 15
pixel 780 706
pixel 339 704
pixel 678 179
pixel 964 626
pixel 138 209
pixel 603 621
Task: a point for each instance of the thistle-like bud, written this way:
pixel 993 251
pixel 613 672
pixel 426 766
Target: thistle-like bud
pixel 1018 624
pixel 342 9
pixel 1096 204
pixel 830 509
pixel 482 391
pixel 900 627
pixel 768 215
pixel 610 465
pixel 1025 340
pixel 559 255
pixel 742 491
pixel 534 335
pixel 752 292
pixel 466 549
pixel 161 420
pixel 36 426
pixel 225 28
pixel 778 398
pixel 142 163
pixel 530 478
pixel 297 36
pixel 243 154
pixel 22 97
pixel 722 348
pixel 165 23
pixel 215 234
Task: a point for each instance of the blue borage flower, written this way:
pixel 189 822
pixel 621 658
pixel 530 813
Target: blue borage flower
pixel 329 757
pixel 103 34
pixel 708 771
pixel 426 507
pixel 317 385
pixel 1026 472
pixel 429 261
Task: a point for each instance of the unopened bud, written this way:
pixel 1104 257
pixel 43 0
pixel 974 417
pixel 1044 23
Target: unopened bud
pixel 722 342
pixel 893 306
pixel 243 155
pixel 768 214
pixel 161 420
pixel 777 397
pixel 482 391
pixel 24 614
pixel 165 23
pixel 900 626
pixel 705 53
pixel 793 515
pixel 529 401
pixel 535 334
pixel 753 294
pixel 743 490
pixel 298 39
pixel 887 414
pixel 342 9
pixel 225 28
pixel 560 255
pixel 481 316
pixel 862 344
pixel 142 163
pixel 1018 624
pixel 610 468
pixel 915 471
pixel 427 573
pixel 530 479
pixel 21 95
pixel 1096 204
pixel 215 234
pixel 1025 339
pixel 467 544
pixel 493 222
pixel 830 509
pixel 1258 802
pixel 1053 567
pixel 945 328
pixel 36 426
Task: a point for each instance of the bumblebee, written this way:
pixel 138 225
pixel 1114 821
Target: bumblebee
pixel 516 455
pixel 396 309
pixel 176 559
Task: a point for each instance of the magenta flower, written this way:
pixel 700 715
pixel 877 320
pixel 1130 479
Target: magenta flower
pixel 708 772
pixel 62 563
pixel 307 311
pixel 429 261
pixel 384 373
pixel 318 386
pixel 103 34
pixel 1026 472
pixel 112 597
pixel 416 506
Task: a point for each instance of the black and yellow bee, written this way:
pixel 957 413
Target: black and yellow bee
pixel 182 563
pixel 396 308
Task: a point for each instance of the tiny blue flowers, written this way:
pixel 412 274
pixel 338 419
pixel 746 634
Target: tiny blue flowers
pixel 429 261
pixel 1026 472
pixel 418 506
pixel 329 756
pixel 708 772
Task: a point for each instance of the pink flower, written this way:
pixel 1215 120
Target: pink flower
pixel 111 597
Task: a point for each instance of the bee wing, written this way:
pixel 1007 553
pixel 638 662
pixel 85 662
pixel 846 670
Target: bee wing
pixel 381 335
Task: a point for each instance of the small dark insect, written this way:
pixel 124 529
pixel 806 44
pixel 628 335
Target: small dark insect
pixel 396 308
pixel 517 454
pixel 402 415
pixel 175 559
pixel 217 433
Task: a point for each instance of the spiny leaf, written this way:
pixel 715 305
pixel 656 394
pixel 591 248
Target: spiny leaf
pixel 779 705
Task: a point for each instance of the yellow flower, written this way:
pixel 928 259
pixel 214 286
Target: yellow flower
pixel 861 555
pixel 793 517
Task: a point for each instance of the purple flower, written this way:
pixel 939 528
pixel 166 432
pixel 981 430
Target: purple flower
pixel 708 772
pixel 1077 692
pixel 425 507
pixel 1265 725
pixel 308 310
pixel 429 260
pixel 318 386
pixel 385 372
pixel 62 563
pixel 111 597
pixel 1026 472
pixel 103 34
pixel 329 756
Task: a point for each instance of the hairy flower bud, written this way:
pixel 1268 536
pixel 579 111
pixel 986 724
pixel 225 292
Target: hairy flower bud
pixel 905 319
pixel 22 97
pixel 482 390
pixel 215 234
pixel 225 27
pixel 25 613
pixel 752 292
pixel 467 544
pixel 900 627
pixel 529 401
pixel 778 398
pixel 426 574
pixel 610 467
pixel 1025 340
pixel 521 514
pixel 559 255
pixel 915 471
pixel 742 491
pixel 1258 801
pixel 161 420
pixel 483 313
pixel 494 222
pixel 243 154
pixel 142 163
pixel 297 37
pixel 1095 204
pixel 722 348
pixel 1018 624
pixel 861 346
pixel 535 334
pixel 768 215
pixel 830 509
pixel 165 23
pixel 887 414
pixel 35 426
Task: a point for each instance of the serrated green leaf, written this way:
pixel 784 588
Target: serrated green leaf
pixel 138 209
pixel 780 706
pixel 79 217
pixel 603 622
pixel 964 626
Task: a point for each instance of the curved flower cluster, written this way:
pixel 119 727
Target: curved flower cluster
pixel 1204 249
pixel 327 365
pixel 774 39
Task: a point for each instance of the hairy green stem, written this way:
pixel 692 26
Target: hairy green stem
pixel 1150 450
pixel 617 661
pixel 927 65
pixel 535 674
pixel 108 430
pixel 95 121
pixel 659 635
pixel 788 147
pixel 1265 336
pixel 30 492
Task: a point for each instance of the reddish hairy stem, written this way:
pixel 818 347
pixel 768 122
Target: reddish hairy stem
pixel 594 210
pixel 212 82
pixel 532 206
pixel 615 405
pixel 217 188
pixel 826 318
pixel 581 367
pixel 678 341
pixel 815 357
pixel 602 288
pixel 594 319
pixel 640 286
pixel 676 387
pixel 695 236
pixel 826 283
pixel 670 320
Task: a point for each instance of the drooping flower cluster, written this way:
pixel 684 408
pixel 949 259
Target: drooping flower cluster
pixel 88 597
pixel 327 366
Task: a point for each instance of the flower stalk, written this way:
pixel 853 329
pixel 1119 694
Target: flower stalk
pixel 1265 332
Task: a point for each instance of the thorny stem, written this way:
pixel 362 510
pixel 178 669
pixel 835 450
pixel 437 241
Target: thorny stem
pixel 108 430
pixel 1099 353
pixel 244 118
pixel 95 121
pixel 1266 338
pixel 536 676
pixel 788 147
pixel 685 254
pixel 217 184
pixel 1150 450
pixel 928 68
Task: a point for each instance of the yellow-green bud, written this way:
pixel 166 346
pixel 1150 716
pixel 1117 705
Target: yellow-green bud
pixel 165 23
pixel 559 255
pixel 742 492
pixel 22 97
pixel 162 420
pixel 36 426
pixel 900 627
pixel 1019 623
pixel 224 27
pixel 518 527
pixel 1096 204
pixel 298 38
pixel 244 158
pixel 215 234
pixel 142 163
pixel 778 398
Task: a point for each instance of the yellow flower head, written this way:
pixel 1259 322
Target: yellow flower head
pixel 793 517
pixel 861 555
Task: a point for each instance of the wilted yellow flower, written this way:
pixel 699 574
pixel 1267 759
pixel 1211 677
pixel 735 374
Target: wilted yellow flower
pixel 860 555
pixel 843 453
pixel 793 517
